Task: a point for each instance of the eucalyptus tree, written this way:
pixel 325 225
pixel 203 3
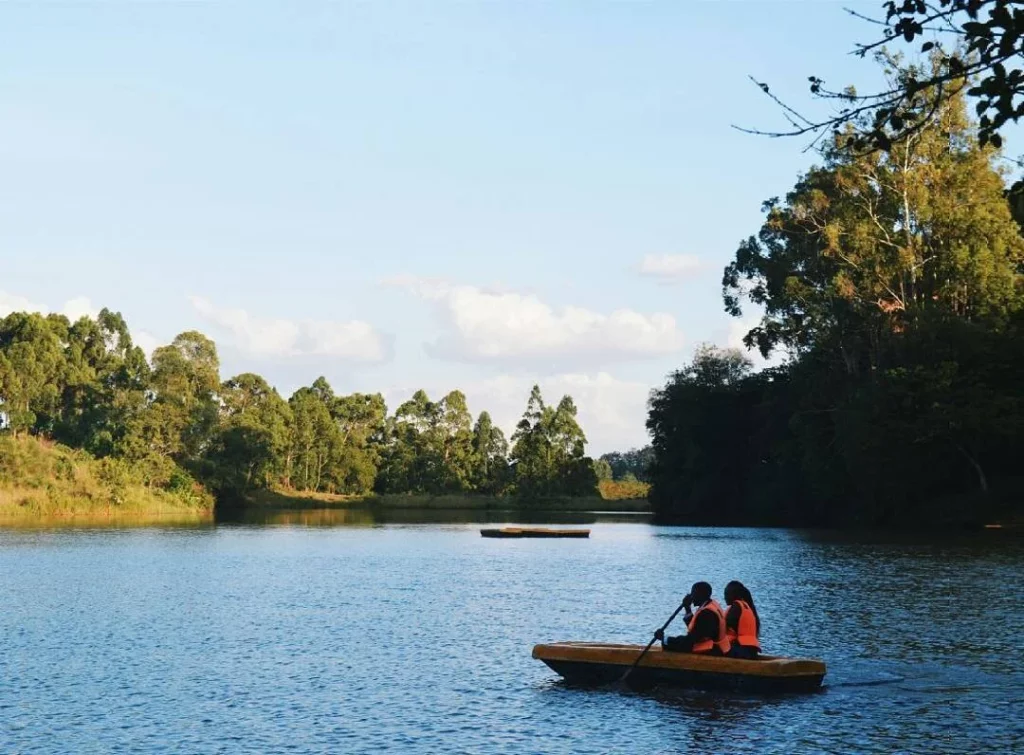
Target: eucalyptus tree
pixel 253 438
pixel 866 244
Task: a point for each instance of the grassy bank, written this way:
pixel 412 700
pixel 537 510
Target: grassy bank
pixel 279 499
pixel 42 481
pixel 623 490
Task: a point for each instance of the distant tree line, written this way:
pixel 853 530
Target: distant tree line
pixel 894 281
pixel 171 421
pixel 625 466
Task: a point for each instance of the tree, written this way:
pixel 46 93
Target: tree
pixel 453 438
pixel 575 470
pixel 316 439
pixel 184 382
pixel 409 463
pixel 868 243
pixel 250 446
pixel 361 421
pixel 105 384
pixel 170 423
pixel 32 370
pixel 895 281
pixel 490 457
pixel 548 451
pixel 531 450
pixel 634 462
pixel 602 469
pixel 976 50
pixel 430 446
pixel 705 428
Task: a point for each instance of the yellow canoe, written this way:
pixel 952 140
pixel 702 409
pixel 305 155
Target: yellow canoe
pixel 533 532
pixel 601 663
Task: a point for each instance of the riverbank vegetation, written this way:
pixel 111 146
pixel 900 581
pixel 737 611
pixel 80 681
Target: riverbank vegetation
pixel 624 476
pixel 894 281
pixel 623 490
pixel 168 429
pixel 265 499
pixel 44 480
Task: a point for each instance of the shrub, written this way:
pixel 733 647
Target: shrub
pixel 619 490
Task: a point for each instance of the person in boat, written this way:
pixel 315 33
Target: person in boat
pixel 705 625
pixel 742 623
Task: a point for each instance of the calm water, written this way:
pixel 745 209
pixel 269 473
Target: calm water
pixel 417 638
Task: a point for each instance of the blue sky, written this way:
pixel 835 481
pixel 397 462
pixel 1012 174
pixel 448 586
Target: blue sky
pixel 403 195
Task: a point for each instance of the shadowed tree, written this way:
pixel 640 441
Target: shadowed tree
pixel 867 244
pixel 634 462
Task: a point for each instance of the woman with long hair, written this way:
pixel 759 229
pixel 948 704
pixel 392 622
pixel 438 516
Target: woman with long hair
pixel 742 623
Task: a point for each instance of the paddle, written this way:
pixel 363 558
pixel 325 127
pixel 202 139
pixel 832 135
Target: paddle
pixel 653 640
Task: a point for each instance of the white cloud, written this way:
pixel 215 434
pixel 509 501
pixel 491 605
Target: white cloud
pixel 354 340
pixel 670 268
pixel 79 307
pixel 73 309
pixel 738 329
pixel 147 342
pixel 496 326
pixel 612 412
pixel 11 303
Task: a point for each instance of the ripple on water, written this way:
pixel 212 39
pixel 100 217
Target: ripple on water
pixel 417 640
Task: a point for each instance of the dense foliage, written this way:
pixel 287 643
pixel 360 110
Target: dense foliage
pixel 547 451
pixel 628 465
pixel 39 478
pixel 894 280
pixel 171 421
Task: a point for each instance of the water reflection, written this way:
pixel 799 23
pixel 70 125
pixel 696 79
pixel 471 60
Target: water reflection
pixel 198 520
pixel 322 517
pixel 304 517
pixel 713 705
pixel 723 707
pixel 369 517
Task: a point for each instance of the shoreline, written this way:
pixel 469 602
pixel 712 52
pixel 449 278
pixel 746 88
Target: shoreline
pixel 105 518
pixel 85 512
pixel 272 500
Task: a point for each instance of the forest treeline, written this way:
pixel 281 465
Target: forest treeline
pixel 894 281
pixel 171 423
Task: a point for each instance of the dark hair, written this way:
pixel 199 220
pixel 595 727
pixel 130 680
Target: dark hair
pixel 737 589
pixel 700 592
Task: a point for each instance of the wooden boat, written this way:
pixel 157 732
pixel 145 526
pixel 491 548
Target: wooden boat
pixel 533 532
pixel 602 663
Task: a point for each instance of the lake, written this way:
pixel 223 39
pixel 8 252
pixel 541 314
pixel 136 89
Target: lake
pixel 359 637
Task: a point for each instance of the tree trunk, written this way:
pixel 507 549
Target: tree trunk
pixel 982 479
pixel 288 469
pixel 321 462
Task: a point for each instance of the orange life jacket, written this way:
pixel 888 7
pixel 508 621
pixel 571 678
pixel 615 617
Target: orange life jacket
pixel 721 640
pixel 746 628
